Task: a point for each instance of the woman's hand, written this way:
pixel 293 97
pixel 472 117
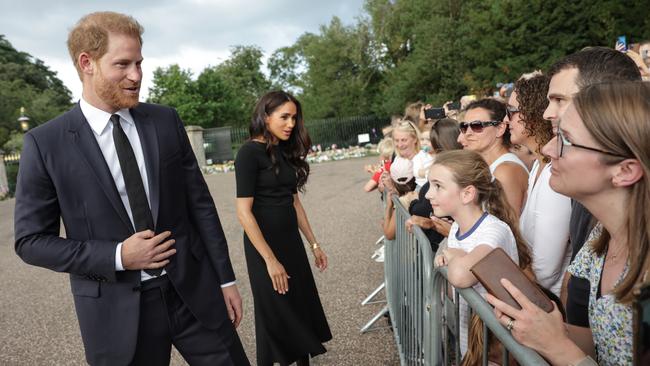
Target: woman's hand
pixel 278 275
pixel 451 253
pixel 439 261
pixel 441 225
pixel 389 201
pixel 386 180
pixel 320 259
pixel 420 221
pixel 532 326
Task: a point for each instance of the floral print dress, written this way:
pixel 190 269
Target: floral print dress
pixel 610 321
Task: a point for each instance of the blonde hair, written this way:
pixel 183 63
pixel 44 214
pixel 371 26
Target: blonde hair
pixel 91 33
pixel 469 169
pixel 410 128
pixel 617 116
pixel 386 147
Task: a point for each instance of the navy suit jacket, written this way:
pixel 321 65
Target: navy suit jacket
pixel 63 175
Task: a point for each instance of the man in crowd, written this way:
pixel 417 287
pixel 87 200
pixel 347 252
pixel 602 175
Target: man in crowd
pixel 147 257
pixel 568 76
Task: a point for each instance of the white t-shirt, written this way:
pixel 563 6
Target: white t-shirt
pixel 544 223
pixel 421 160
pixel 488 230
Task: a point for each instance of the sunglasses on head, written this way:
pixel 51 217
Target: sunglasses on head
pixel 511 111
pixel 477 126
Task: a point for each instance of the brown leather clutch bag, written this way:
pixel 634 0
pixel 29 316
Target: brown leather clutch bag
pixel 497 265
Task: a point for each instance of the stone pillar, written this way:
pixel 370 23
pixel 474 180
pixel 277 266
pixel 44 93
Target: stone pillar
pixel 4 182
pixel 195 134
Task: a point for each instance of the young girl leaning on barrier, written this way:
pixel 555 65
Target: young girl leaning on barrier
pixel 463 187
pixel 401 182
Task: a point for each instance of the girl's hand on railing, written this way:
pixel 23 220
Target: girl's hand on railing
pixel 409 224
pixel 439 261
pixel 451 253
pixel 389 200
pixel 441 225
pixel 420 221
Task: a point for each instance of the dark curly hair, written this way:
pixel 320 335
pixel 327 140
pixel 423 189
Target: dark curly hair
pixel 296 148
pixel 531 96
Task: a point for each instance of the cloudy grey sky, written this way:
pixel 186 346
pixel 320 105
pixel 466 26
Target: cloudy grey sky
pixel 192 33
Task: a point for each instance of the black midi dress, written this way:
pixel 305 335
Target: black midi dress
pixel 293 325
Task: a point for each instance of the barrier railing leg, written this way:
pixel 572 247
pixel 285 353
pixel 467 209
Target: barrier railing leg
pixel 369 326
pixel 368 300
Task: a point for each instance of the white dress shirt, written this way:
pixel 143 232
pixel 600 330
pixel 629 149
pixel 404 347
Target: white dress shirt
pixel 102 127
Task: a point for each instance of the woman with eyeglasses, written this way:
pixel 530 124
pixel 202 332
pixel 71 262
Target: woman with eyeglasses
pixel 601 158
pixel 544 220
pixel 485 133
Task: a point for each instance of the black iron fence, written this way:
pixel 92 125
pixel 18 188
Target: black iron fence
pixel 342 132
pixel 11 167
pixel 221 143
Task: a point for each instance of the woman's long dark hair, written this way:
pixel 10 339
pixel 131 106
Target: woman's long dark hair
pixel 296 148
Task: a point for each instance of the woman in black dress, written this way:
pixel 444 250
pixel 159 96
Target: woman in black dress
pixel 290 325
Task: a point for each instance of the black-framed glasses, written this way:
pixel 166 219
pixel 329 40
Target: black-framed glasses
pixel 562 142
pixel 511 111
pixel 477 126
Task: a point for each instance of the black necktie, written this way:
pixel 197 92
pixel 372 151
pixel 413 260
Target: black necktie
pixel 142 218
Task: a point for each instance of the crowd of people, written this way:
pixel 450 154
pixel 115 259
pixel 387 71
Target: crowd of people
pixel 553 170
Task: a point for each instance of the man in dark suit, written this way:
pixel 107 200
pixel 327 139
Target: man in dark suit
pixel 147 257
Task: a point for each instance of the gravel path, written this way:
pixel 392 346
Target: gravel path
pixel 38 325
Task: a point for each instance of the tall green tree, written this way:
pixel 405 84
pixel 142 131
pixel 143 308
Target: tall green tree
pixel 174 87
pixel 511 41
pixel 244 84
pixel 401 51
pixel 27 82
pixel 335 71
pixel 438 50
pixel 222 95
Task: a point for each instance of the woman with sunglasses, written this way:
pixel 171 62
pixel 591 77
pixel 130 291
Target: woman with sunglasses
pixel 601 158
pixel 485 133
pixel 544 220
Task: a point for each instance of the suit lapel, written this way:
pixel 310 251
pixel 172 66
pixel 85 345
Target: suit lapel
pixel 84 141
pixel 149 140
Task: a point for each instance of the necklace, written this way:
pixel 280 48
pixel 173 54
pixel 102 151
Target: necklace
pixel 614 256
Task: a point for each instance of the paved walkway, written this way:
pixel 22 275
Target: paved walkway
pixel 38 325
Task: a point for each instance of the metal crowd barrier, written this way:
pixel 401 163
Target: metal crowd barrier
pixel 424 318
